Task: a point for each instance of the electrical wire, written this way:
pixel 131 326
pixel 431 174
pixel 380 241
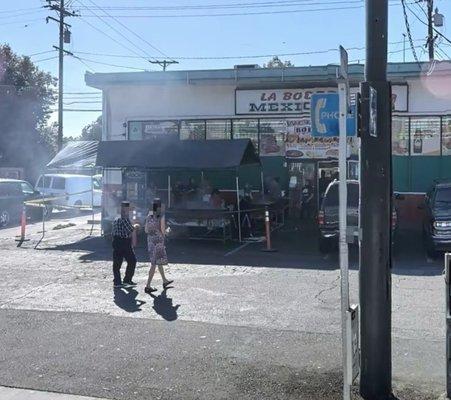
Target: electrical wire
pixel 131 31
pixel 45 59
pixel 101 18
pixel 111 65
pixel 409 34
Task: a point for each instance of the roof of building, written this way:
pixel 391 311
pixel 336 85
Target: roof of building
pixel 177 154
pixel 324 74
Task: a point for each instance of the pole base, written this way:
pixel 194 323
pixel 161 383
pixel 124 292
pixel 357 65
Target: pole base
pixel 269 250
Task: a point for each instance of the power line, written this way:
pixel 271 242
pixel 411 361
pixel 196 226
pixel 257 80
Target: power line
pixel 45 59
pixel 234 57
pixel 130 30
pixel 235 14
pixel 111 65
pixel 409 34
pixel 101 18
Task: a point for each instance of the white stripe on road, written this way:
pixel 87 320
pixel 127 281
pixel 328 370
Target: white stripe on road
pixel 236 250
pixel 7 393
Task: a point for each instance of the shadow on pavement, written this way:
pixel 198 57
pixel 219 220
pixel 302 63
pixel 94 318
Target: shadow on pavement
pixel 163 306
pixel 296 248
pixel 125 298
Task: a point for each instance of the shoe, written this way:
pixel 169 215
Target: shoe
pixel 118 285
pixel 165 285
pixel 129 283
pixel 149 290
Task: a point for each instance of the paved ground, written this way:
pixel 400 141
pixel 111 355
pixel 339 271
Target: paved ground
pixel 7 393
pixel 245 324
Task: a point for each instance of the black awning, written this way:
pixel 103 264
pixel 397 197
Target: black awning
pixel 76 155
pixel 177 154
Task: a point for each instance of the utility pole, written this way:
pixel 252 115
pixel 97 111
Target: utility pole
pixel 64 37
pixel 375 210
pixel 431 39
pixel 404 47
pixel 164 63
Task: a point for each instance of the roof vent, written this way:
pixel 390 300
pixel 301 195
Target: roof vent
pixel 247 66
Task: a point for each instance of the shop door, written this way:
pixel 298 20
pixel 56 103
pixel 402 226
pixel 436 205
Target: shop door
pixel 302 176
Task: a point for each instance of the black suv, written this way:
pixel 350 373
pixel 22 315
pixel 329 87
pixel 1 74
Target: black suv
pixel 437 220
pixel 13 193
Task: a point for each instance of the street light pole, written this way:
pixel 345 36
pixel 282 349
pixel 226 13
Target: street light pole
pixel 375 210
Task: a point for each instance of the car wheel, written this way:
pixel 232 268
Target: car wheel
pixel 5 218
pixel 325 246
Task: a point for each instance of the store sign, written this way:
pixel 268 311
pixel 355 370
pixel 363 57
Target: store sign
pixel 300 144
pixel 325 116
pixel 279 101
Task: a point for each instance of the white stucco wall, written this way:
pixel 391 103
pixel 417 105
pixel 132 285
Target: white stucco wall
pixel 127 103
pixel 427 95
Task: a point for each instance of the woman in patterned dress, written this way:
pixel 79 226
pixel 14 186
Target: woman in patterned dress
pixel 155 229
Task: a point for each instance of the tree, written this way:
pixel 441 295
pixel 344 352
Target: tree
pixel 276 62
pixel 26 95
pixel 92 131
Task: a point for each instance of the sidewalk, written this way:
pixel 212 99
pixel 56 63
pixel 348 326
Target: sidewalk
pixel 7 393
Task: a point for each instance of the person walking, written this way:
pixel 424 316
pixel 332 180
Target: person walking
pixel 155 229
pixel 122 247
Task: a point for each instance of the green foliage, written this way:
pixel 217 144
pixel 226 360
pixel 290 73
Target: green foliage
pixel 276 62
pixel 26 95
pixel 92 131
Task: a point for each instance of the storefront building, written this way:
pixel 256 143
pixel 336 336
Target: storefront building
pixel 272 108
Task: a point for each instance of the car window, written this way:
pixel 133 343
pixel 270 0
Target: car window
pixel 26 188
pixel 9 189
pixel 46 179
pixel 331 198
pixel 58 183
pixel 96 184
pixel 443 195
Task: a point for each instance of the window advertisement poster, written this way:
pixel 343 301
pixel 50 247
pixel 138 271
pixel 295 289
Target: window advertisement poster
pixel 400 136
pixel 155 129
pixel 446 136
pixel 272 137
pixel 299 143
pixel 425 136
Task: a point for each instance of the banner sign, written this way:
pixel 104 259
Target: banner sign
pixel 275 101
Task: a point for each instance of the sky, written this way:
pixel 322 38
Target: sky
pixel 143 30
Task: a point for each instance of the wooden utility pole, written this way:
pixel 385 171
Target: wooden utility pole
pixel 375 211
pixel 164 63
pixel 64 37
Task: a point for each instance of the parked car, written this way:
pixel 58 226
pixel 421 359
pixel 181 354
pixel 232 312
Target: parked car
pixel 328 216
pixel 13 193
pixel 437 219
pixel 70 190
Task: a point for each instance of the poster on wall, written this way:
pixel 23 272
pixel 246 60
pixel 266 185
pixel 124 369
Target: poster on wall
pixel 299 143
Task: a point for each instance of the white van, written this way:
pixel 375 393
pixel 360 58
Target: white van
pixel 70 190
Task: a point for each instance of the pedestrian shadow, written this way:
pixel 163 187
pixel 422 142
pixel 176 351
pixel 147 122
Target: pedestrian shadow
pixel 125 298
pixel 162 304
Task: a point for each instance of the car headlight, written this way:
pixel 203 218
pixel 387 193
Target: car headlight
pixel 442 224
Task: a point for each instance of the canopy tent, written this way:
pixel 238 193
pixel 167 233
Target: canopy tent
pixel 170 155
pixel 177 154
pixel 79 155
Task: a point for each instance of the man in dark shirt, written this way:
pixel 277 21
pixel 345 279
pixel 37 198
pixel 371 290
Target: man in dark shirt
pixel 122 247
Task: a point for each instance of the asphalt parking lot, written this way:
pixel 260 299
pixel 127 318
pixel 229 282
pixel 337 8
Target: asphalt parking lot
pixel 274 316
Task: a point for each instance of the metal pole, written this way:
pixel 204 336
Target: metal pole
pixel 60 76
pixel 238 206
pixel 430 30
pixel 262 183
pixel 343 244
pixel 92 202
pixel 375 211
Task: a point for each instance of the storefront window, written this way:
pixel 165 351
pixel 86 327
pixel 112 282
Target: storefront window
pixel 135 130
pixel 219 129
pixel 446 136
pixel 156 129
pixel 425 136
pixel 192 130
pixel 246 129
pixel 272 137
pixel 400 136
